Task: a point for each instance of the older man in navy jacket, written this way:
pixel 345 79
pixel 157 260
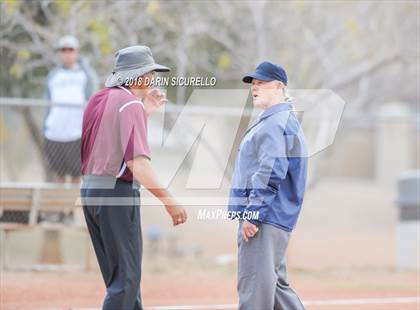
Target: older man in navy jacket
pixel 269 184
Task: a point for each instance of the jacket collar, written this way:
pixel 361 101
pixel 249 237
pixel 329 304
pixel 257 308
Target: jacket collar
pixel 284 106
pixel 279 107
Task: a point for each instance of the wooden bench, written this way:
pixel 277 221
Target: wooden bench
pixel 21 207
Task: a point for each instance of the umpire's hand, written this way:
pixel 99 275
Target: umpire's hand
pixel 248 230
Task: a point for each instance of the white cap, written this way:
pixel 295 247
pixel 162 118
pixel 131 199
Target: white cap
pixel 68 41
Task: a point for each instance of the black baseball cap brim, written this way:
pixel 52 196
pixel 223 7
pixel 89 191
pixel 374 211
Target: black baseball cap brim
pixel 256 75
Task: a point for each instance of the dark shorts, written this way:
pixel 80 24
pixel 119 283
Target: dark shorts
pixel 63 157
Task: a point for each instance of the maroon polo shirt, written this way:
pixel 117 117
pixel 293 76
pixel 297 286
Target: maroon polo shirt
pixel 114 132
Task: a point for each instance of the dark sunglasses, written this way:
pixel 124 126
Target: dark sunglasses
pixel 66 49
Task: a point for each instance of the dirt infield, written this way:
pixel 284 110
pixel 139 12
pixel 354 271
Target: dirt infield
pixel 350 264
pixel 72 290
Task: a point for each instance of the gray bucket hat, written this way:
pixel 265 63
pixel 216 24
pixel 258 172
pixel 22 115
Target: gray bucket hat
pixel 132 62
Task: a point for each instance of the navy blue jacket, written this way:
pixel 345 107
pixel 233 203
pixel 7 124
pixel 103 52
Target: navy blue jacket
pixel 271 169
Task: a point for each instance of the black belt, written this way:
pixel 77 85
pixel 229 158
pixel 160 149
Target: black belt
pixel 105 182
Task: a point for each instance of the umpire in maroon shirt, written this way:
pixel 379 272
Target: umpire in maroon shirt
pixel 115 162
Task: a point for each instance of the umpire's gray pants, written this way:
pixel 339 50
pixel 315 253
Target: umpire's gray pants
pixel 262 283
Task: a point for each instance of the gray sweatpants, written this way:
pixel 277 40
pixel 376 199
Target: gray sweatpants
pixel 262 282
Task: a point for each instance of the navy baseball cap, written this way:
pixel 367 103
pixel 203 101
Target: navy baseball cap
pixel 267 71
